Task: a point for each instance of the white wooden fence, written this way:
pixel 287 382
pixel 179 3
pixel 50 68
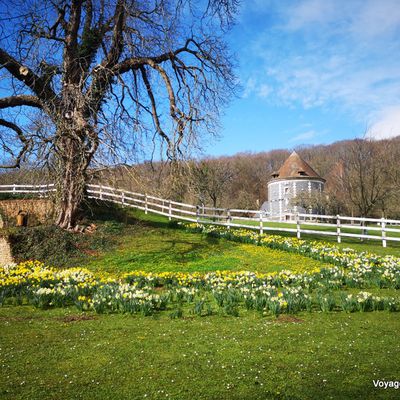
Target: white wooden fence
pixel 331 225
pixel 28 189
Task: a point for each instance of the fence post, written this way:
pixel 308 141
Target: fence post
pixel 338 231
pixel 197 215
pixel 298 226
pixel 383 227
pixel 170 210
pixel 14 188
pixel 123 199
pixel 101 192
pixel 261 223
pixel 228 218
pixel 145 204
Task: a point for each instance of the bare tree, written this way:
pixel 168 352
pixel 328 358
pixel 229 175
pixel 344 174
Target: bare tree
pixel 210 179
pixel 365 175
pixel 88 78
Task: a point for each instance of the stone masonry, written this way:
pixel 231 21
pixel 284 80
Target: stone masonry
pixel 39 210
pixel 5 252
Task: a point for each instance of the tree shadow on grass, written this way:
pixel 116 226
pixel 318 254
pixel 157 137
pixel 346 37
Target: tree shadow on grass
pixel 105 211
pixel 175 251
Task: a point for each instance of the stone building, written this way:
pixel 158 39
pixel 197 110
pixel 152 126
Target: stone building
pixel 295 176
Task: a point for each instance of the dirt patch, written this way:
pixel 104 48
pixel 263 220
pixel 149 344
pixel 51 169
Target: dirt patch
pixel 284 319
pixel 77 318
pixel 89 252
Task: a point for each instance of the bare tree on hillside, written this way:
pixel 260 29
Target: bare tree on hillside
pixel 210 179
pixel 365 175
pixel 88 77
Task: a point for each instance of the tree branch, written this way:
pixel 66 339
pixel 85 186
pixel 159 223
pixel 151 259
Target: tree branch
pixel 117 40
pixel 103 73
pixel 153 106
pixel 20 100
pixel 26 143
pixel 24 74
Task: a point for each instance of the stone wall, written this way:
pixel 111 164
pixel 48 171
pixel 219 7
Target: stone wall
pixel 39 210
pixel 5 252
pixel 282 191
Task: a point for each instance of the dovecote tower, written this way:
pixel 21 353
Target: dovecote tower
pixel 293 177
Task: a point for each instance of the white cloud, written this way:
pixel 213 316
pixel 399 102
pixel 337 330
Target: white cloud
pixel 386 125
pixel 311 12
pixel 249 87
pixel 377 19
pixel 304 136
pixel 264 90
pixel 331 54
pixel 252 86
pixel 364 19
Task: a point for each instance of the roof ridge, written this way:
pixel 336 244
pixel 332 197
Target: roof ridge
pixel 295 167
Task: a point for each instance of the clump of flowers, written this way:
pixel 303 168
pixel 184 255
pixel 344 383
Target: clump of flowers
pixel 225 292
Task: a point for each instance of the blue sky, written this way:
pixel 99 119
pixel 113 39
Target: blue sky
pixel 313 71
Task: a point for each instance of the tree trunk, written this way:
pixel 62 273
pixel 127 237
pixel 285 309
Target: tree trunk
pixel 71 174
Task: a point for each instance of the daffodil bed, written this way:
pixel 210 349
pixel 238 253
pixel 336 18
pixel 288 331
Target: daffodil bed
pixel 223 292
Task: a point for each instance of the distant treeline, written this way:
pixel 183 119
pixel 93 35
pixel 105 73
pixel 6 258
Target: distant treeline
pixel 363 178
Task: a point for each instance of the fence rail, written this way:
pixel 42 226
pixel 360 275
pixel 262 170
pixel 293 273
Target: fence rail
pixel 340 226
pixel 27 189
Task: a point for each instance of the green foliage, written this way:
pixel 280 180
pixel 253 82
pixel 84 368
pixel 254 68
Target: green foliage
pixel 59 247
pixel 55 246
pixel 326 301
pixel 48 243
pixel 17 196
pixel 177 313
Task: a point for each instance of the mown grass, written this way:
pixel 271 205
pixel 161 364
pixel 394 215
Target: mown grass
pixel 373 246
pixel 64 354
pixel 165 249
pixel 128 240
pixel 56 354
pixel 159 246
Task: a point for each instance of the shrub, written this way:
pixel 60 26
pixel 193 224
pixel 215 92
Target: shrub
pixel 51 244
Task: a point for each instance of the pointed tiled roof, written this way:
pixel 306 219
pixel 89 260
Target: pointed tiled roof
pixel 295 167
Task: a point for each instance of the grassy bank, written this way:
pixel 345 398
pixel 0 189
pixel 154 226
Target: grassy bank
pixel 129 239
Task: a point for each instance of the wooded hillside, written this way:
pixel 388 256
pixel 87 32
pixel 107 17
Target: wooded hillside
pixel 363 177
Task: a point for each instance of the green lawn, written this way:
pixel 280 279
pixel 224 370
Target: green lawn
pixel 157 247
pixel 65 354
pixel 154 249
pixel 56 354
